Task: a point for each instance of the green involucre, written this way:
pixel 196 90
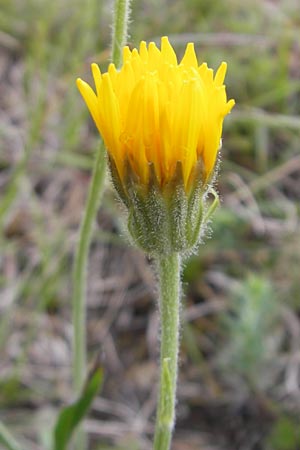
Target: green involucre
pixel 164 220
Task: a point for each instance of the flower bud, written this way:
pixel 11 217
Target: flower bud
pixel 161 122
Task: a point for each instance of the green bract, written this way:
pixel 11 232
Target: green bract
pixel 164 220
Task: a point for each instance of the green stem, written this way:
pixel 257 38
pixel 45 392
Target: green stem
pixel 121 19
pixel 169 306
pixel 121 15
pixel 79 281
pixel 85 234
pixel 80 269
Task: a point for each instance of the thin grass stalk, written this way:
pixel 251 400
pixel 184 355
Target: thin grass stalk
pixel 80 269
pixel 121 15
pixel 7 440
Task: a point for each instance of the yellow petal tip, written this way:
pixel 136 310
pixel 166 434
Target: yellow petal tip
pixel 157 110
pixel 79 82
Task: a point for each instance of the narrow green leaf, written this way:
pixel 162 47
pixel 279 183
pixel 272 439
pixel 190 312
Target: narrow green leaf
pixel 70 417
pixel 7 440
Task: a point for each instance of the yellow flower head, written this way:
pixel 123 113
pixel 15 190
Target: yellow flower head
pixel 156 112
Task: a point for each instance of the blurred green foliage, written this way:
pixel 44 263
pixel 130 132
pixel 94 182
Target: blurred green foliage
pixel 251 325
pixel 284 435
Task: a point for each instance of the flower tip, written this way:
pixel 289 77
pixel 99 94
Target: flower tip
pixel 167 51
pixel 143 51
pixel 220 75
pixel 82 86
pixel 126 53
pixel 95 67
pixel 79 83
pixel 164 40
pixel 143 45
pixel 231 104
pixel 96 72
pixel 189 58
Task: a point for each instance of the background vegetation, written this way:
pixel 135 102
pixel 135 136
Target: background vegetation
pixel 240 359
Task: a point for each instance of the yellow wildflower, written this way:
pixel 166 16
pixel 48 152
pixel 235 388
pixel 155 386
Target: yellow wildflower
pixel 158 112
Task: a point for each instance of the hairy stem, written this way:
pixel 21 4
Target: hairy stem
pixel 120 28
pixel 169 306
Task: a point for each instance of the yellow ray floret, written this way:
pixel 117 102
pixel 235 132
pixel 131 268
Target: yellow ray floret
pixel 156 110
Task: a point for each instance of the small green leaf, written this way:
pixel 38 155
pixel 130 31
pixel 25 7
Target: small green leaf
pixel 70 417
